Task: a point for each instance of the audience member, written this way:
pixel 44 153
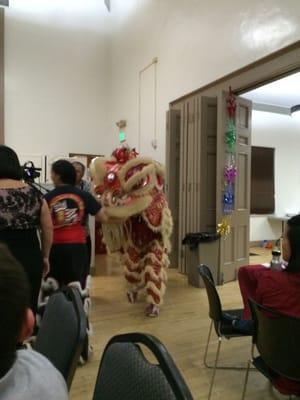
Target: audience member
pixel 24 374
pixel 69 207
pixel 84 185
pixel 278 290
pixel 81 183
pixel 22 212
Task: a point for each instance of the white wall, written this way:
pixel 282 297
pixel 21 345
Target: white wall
pixel 56 76
pixel 195 41
pixel 68 82
pixel 282 133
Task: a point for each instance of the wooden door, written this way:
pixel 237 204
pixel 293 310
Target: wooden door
pixel 207 206
pixel 234 249
pixel 181 175
pixel 189 163
pixel 191 171
pixel 173 177
pixel 183 187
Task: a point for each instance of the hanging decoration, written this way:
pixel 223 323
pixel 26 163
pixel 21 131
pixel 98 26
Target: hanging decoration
pixel 224 228
pixel 228 199
pixel 230 136
pixel 230 173
pixel 230 169
pixel 231 105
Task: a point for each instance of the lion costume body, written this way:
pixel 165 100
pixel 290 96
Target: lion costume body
pixel 131 187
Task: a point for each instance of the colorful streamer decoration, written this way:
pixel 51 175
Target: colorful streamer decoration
pixel 230 169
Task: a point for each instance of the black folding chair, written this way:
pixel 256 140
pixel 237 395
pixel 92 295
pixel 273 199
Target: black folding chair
pixel 125 373
pixel 63 332
pixel 220 320
pixel 276 337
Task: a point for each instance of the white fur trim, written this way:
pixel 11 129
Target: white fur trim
pixel 98 169
pixel 136 207
pixel 159 292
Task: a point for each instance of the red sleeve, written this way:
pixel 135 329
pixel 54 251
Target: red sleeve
pixel 265 286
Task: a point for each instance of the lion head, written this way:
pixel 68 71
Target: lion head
pixel 125 182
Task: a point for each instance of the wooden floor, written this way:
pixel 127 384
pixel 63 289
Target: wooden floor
pixel 182 327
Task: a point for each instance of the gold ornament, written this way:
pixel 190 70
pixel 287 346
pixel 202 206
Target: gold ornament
pixel 224 227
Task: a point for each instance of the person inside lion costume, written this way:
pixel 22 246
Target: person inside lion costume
pixel 132 188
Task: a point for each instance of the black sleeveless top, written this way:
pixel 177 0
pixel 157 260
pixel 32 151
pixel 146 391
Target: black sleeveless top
pixel 20 208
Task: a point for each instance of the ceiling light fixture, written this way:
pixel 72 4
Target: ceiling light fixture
pixel 295 111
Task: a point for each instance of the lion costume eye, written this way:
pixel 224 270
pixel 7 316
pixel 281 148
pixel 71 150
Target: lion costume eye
pixel 111 177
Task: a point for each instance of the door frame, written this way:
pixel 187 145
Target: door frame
pixel 268 69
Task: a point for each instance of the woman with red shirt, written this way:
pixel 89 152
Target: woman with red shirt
pixel 278 290
pixel 69 208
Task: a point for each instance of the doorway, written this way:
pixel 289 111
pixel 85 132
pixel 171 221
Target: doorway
pixel 275 185
pixel 234 251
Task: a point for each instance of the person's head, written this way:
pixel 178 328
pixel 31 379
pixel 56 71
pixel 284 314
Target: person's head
pixel 80 170
pixel 17 320
pixel 63 173
pixel 291 244
pixel 10 167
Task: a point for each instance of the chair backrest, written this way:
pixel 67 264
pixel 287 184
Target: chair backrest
pixel 125 373
pixel 277 338
pixel 215 307
pixel 63 332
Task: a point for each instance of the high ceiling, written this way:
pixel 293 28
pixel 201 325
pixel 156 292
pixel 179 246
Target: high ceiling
pixel 285 92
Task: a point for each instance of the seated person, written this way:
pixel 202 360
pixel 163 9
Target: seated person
pixel 24 374
pixel 278 290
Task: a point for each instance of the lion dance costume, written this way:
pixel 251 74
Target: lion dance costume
pixel 131 188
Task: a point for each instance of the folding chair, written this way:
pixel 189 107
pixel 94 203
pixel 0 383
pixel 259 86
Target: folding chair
pixel 220 320
pixel 276 337
pixel 125 373
pixel 63 332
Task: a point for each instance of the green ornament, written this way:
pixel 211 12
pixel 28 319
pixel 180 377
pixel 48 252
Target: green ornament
pixel 230 140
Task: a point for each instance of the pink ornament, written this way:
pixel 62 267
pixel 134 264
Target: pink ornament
pixel 230 173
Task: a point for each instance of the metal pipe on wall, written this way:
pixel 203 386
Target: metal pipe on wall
pixel 154 142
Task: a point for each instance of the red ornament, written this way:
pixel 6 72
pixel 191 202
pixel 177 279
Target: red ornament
pixel 123 154
pixel 231 104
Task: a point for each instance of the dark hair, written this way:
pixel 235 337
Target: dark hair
pixel 10 167
pixel 293 234
pixel 82 166
pixel 66 171
pixel 14 300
